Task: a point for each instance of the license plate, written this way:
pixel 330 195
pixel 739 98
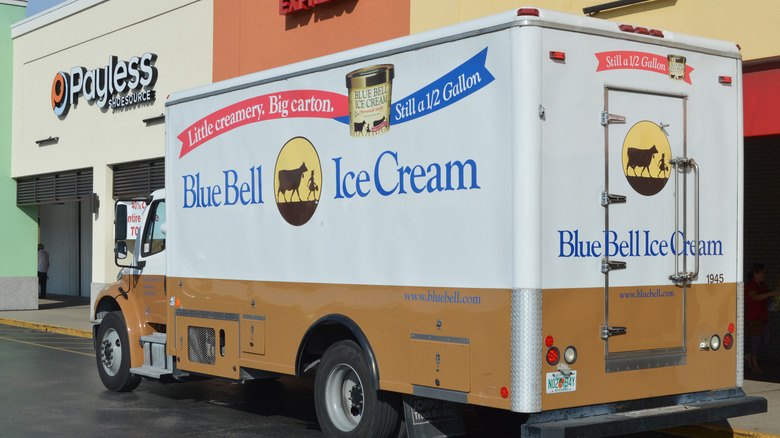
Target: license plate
pixel 559 382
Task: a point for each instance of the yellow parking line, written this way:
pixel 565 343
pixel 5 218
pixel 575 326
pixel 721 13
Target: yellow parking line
pixel 46 346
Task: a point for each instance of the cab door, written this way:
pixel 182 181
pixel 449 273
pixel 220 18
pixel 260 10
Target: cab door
pixel 150 284
pixel 644 233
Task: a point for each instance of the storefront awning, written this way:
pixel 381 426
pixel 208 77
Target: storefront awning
pixel 761 98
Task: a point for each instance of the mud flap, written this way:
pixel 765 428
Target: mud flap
pixel 430 418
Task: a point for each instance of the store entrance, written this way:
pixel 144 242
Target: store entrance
pixel 65 230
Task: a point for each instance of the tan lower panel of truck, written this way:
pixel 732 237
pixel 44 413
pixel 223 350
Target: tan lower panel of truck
pixel 441 338
pixel 575 316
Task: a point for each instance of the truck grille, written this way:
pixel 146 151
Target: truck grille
pixel 201 345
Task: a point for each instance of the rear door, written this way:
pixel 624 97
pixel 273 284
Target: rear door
pixel 645 213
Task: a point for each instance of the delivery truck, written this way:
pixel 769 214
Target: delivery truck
pixel 532 212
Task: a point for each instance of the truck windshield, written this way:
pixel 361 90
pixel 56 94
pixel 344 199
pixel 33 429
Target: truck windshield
pixel 154 238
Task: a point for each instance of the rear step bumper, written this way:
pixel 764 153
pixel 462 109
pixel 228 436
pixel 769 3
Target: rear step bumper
pixel 643 415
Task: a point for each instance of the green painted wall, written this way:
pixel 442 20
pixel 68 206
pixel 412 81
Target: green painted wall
pixel 18 227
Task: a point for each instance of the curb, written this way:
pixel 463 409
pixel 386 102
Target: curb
pixel 707 431
pixel 47 328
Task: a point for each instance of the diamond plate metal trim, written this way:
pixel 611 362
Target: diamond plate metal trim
pixel 526 347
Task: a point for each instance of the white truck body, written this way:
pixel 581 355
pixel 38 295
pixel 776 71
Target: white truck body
pixel 462 199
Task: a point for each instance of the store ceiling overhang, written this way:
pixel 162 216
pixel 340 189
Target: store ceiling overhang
pixel 761 98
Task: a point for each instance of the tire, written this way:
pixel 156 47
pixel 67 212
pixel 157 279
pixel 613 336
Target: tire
pixel 346 401
pixel 113 354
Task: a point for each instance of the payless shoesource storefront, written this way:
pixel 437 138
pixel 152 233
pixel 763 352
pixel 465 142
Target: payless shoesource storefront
pixel 90 82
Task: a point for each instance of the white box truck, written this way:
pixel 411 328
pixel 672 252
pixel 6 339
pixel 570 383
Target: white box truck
pixel 534 211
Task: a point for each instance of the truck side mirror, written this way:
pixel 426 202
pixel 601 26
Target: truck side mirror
pixel 120 250
pixel 120 223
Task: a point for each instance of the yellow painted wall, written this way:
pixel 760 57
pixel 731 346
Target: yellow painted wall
pixel 749 24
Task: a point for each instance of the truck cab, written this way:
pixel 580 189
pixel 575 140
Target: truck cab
pixel 134 307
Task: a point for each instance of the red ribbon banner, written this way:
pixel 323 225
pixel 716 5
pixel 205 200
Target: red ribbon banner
pixel 637 61
pixel 285 104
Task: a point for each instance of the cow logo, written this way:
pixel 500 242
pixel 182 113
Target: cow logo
pixel 646 155
pixel 297 181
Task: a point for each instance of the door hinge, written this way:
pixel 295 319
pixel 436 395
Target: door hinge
pixel 609 198
pixel 607 118
pixel 611 265
pixel 607 331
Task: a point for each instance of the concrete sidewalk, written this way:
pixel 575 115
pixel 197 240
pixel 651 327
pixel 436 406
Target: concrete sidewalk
pixel 70 315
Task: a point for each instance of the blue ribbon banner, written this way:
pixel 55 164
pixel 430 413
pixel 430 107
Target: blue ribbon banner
pixel 461 82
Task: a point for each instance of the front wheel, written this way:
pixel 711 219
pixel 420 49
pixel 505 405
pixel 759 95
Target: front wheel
pixel 347 403
pixel 113 354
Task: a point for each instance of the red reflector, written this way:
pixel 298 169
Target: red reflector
pixel 504 392
pixel 724 80
pixel 525 12
pixel 731 327
pixel 626 28
pixel 642 30
pixel 739 47
pixel 553 356
pixel 656 33
pixel 558 56
pixel 548 341
pixel 728 341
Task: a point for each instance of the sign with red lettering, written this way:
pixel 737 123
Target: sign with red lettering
pixel 290 6
pixel 671 65
pixel 135 210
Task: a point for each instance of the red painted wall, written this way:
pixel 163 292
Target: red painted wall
pixel 251 35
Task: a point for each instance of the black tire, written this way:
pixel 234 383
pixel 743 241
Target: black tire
pixel 347 403
pixel 113 354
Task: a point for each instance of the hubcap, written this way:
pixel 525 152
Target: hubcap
pixel 111 352
pixel 344 397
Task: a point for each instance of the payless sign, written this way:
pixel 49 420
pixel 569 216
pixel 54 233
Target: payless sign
pixel 290 6
pixel 118 84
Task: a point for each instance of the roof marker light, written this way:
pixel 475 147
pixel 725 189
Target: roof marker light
pixel 626 28
pixel 558 56
pixel 526 12
pixel 643 30
pixel 656 33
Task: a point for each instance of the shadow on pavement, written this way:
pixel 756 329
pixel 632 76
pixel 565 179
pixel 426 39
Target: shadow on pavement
pixel 61 301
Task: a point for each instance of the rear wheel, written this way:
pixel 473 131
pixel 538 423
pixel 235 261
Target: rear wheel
pixel 347 403
pixel 113 354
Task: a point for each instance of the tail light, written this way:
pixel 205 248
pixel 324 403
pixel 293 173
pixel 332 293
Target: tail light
pixel 728 341
pixel 553 356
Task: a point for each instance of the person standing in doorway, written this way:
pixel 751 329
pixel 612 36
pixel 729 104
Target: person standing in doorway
pixel 43 269
pixel 756 314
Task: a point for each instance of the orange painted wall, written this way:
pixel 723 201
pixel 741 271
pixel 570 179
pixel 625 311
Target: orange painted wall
pixel 251 35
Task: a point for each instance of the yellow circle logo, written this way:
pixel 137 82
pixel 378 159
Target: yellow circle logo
pixel 646 155
pixel 297 181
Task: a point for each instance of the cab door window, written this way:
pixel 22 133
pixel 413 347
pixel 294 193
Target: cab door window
pixel 154 238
